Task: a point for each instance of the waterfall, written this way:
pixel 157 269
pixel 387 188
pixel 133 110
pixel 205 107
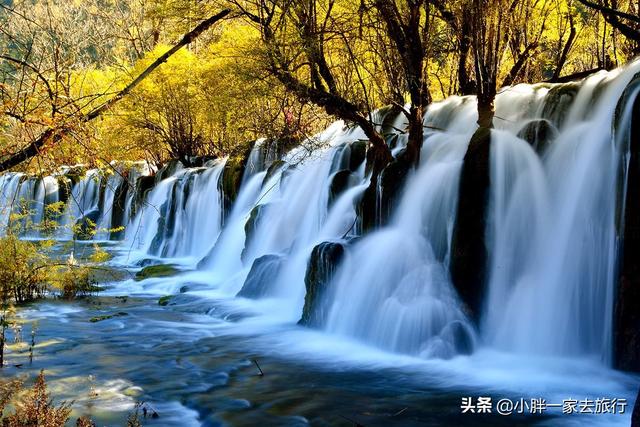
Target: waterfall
pixel 552 233
pixel 182 215
pixel 551 237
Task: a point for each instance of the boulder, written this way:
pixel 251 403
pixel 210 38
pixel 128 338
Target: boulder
pixel 322 265
pixel 160 270
pixel 539 134
pixel 626 321
pixel 264 271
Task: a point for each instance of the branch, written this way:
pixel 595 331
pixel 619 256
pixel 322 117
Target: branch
pixel 522 59
pixel 609 11
pixel 56 134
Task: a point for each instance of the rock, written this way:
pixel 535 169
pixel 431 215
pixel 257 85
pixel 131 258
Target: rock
pixel 271 171
pixel 469 252
pixel 144 184
pixel 252 225
pixel 558 102
pixel 322 265
pixel 161 270
pixel 460 336
pixel 64 189
pixel 118 208
pixel 339 183
pixel 357 155
pixel 85 227
pixel 263 271
pixel 96 319
pixel 169 169
pixel 164 301
pixel 231 179
pixel 626 333
pixel 539 134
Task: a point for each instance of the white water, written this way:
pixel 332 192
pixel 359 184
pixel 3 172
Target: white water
pixel 551 235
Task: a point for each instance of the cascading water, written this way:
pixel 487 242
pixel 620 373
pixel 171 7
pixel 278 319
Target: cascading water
pixel 552 236
pixel 551 232
pixel 182 215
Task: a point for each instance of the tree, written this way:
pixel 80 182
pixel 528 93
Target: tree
pixel 78 110
pixel 407 25
pixel 628 23
pixel 298 39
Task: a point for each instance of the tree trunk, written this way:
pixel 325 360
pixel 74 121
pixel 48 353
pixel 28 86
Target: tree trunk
pixel 469 253
pixel 56 134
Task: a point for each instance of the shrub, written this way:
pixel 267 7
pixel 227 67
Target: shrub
pixel 33 408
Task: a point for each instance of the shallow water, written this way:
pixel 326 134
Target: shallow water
pixel 192 362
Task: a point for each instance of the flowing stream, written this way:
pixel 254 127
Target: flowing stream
pixel 393 344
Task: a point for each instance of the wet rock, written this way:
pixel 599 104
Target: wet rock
pixel 169 169
pixel 252 225
pixel 539 134
pixel 144 184
pixel 64 189
pixel 461 337
pixel 469 251
pixel 357 155
pixel 322 265
pixel 161 270
pixel 558 102
pixel 626 313
pixel 339 183
pixel 164 301
pixel 264 271
pixel 118 208
pixel 96 319
pixel 85 227
pixel 272 170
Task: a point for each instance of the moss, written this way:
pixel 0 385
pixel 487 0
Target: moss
pixel 161 270
pixel 96 319
pixel 164 301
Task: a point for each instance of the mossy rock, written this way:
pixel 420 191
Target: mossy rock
pixel 164 301
pixel 539 134
pixel 231 179
pixel 558 102
pixel 323 262
pixel 144 184
pixel 252 224
pixel 96 319
pixel 392 182
pixel 161 270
